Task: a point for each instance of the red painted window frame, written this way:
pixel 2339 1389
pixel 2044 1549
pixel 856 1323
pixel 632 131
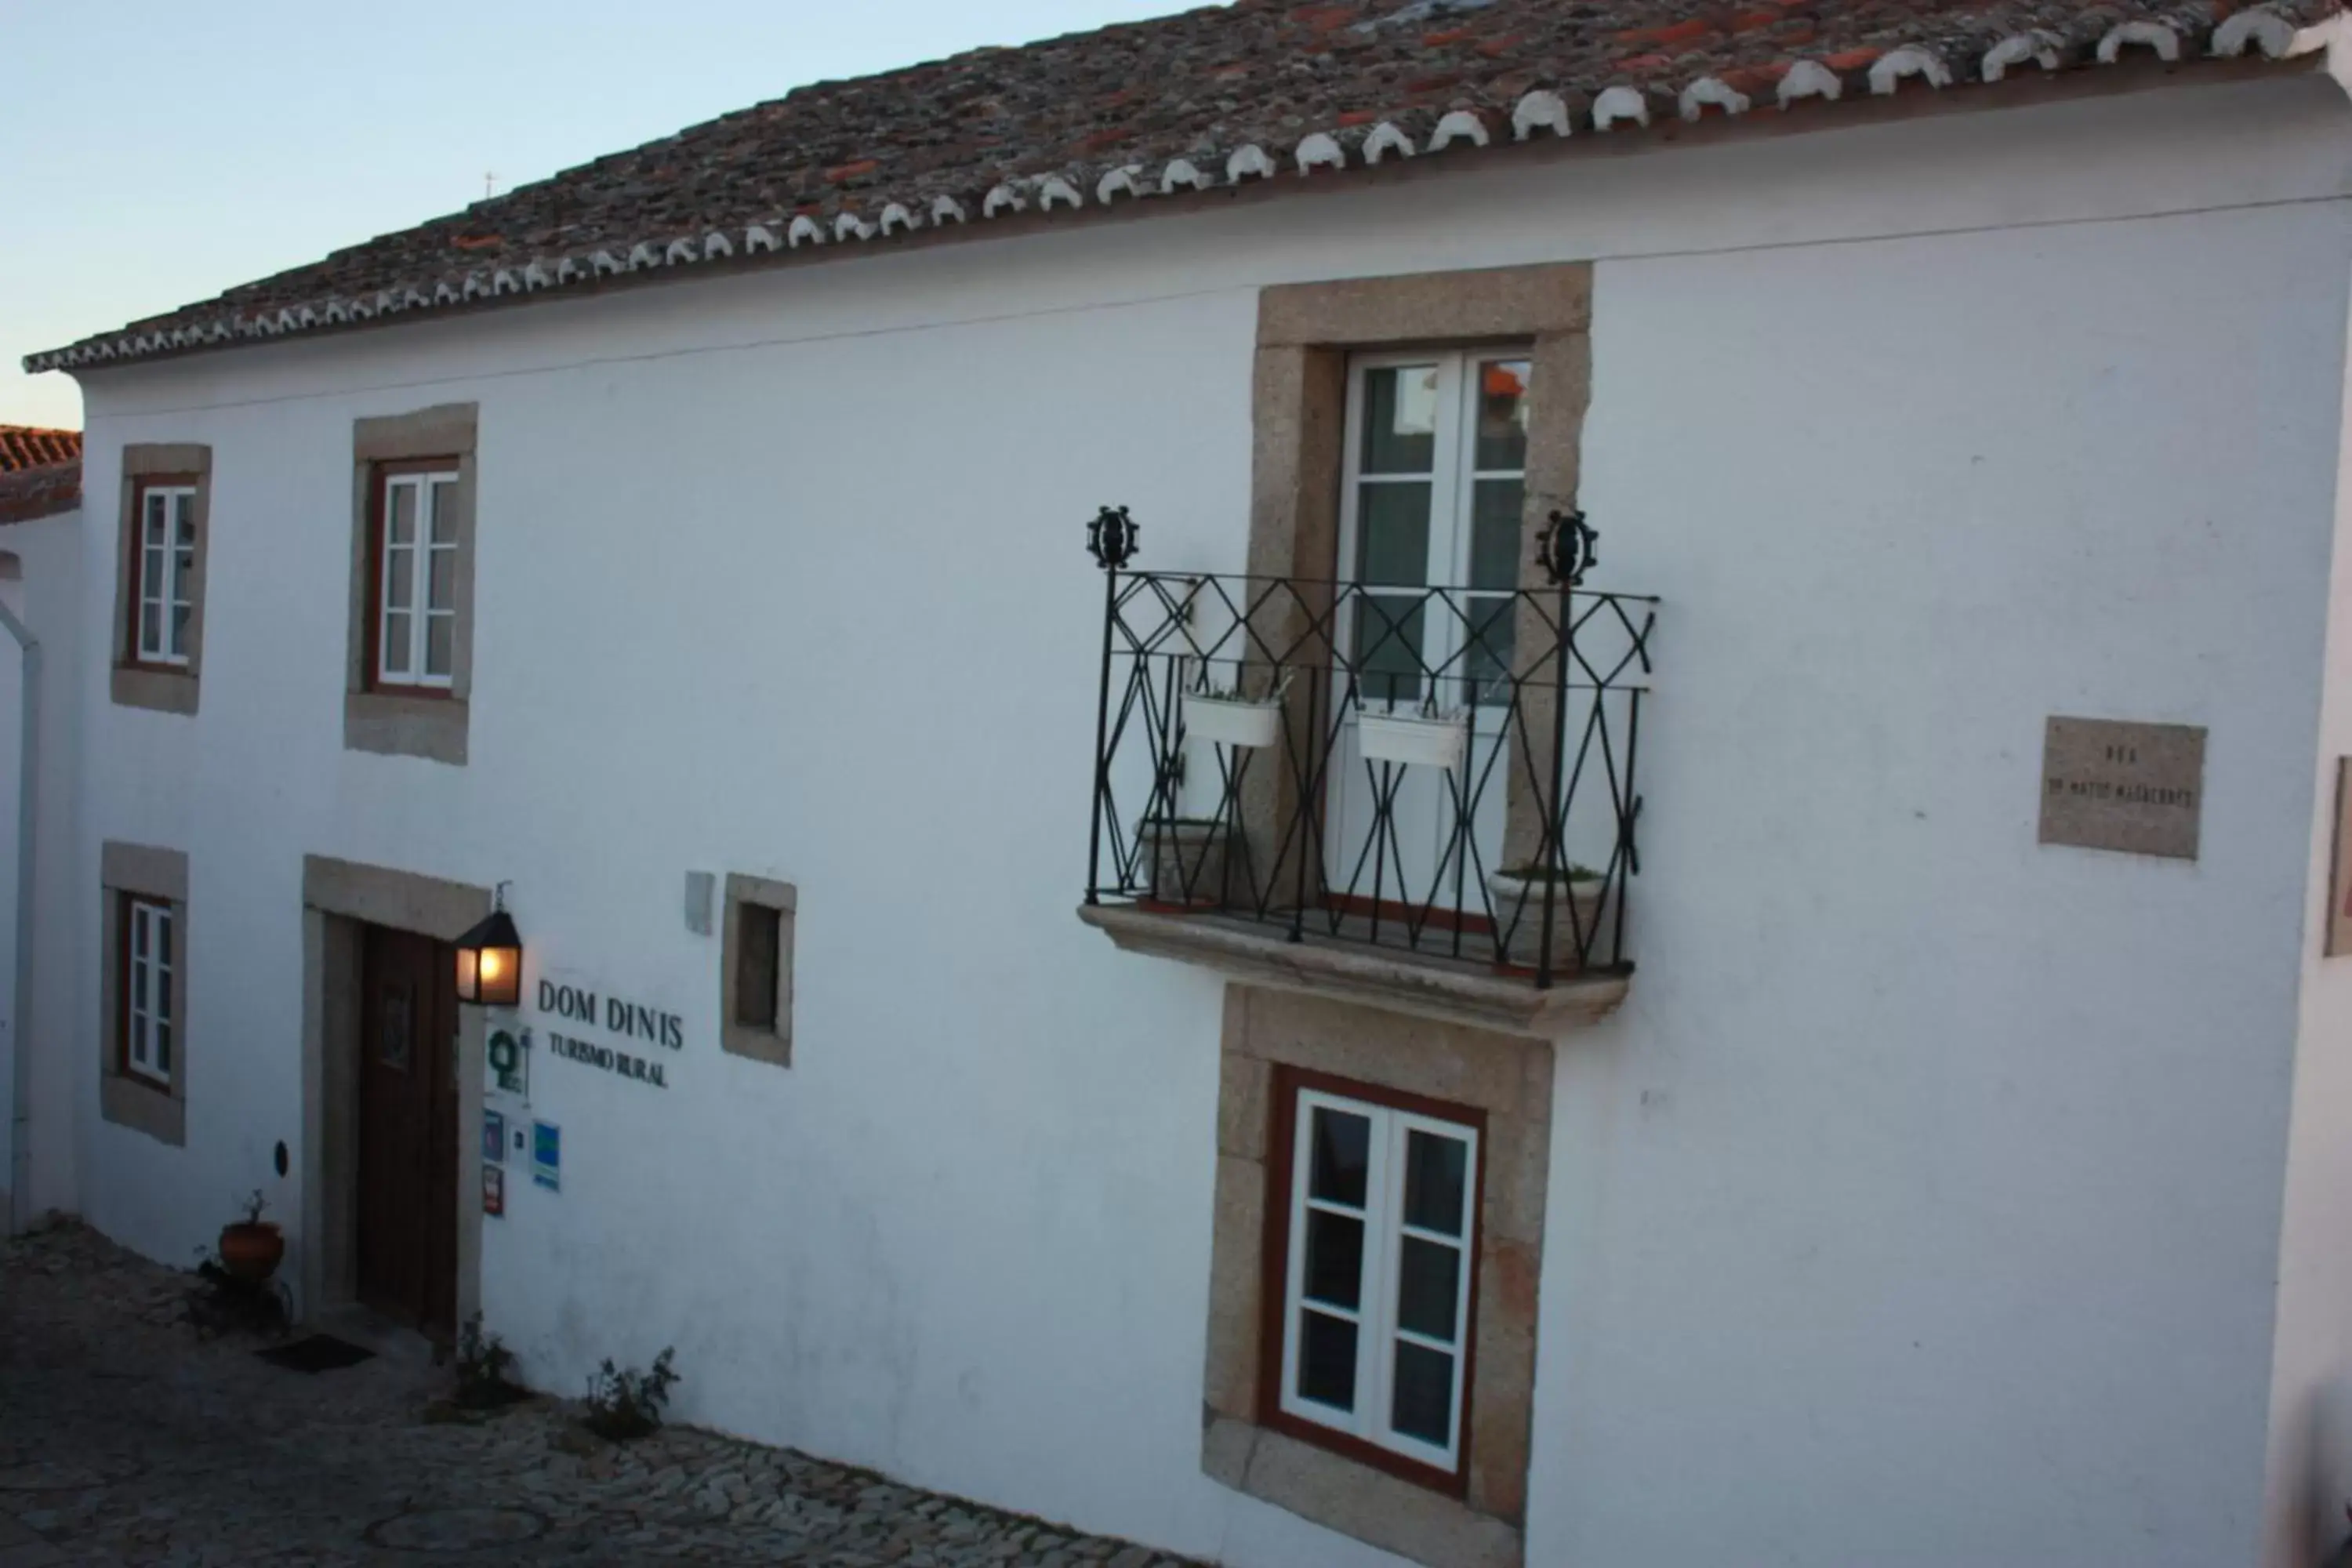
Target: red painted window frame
pixel 1274 1273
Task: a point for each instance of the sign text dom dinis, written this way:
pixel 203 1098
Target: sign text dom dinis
pixel 619 1017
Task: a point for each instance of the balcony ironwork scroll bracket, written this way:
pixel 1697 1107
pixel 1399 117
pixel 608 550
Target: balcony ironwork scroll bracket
pixel 1564 549
pixel 1112 539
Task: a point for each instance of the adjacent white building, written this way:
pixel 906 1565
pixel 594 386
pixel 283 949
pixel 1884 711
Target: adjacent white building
pixel 1923 1135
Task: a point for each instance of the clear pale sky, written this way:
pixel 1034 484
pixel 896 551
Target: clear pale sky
pixel 153 153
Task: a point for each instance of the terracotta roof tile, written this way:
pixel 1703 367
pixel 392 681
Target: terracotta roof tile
pixel 1258 89
pixel 32 446
pixel 26 494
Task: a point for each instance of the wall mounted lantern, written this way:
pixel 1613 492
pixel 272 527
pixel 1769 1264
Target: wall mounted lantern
pixel 489 959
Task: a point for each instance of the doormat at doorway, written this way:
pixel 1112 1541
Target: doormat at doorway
pixel 319 1352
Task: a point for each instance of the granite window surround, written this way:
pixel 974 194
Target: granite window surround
pixel 407 721
pixel 163 688
pixel 1475 1518
pixel 761 1026
pixel 142 871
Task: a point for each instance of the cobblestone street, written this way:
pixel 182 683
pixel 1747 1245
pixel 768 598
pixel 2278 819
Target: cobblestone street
pixel 126 1440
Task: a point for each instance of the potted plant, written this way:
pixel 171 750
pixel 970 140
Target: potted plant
pixel 1230 718
pixel 1519 893
pixel 252 1248
pixel 1188 860
pixel 1426 737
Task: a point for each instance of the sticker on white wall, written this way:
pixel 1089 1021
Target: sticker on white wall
pixel 509 1059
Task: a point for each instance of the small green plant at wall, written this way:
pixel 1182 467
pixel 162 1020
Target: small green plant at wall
pixel 483 1363
pixel 625 1404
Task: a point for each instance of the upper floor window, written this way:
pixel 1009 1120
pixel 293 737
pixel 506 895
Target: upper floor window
pixel 161 630
pixel 416 600
pixel 148 992
pixel 1377 1270
pixel 1436 478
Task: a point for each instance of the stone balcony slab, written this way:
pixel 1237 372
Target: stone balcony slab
pixel 1427 985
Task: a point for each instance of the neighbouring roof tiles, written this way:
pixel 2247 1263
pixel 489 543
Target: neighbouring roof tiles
pixel 33 446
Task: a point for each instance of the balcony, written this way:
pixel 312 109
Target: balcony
pixel 1414 797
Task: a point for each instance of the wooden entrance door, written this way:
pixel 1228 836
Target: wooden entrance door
pixel 407 1251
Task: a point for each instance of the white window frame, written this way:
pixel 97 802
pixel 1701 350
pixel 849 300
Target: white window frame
pixel 417 569
pixel 1452 478
pixel 1377 1329
pixel 149 996
pixel 174 592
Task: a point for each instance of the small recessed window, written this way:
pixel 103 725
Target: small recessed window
pixel 150 1009
pixel 417 577
pixel 755 1001
pixel 757 949
pixel 1377 1273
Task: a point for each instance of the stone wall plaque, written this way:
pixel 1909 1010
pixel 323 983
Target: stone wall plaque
pixel 2137 788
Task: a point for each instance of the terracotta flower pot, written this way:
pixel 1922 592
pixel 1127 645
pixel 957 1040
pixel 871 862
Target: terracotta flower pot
pixel 251 1250
pixel 1188 863
pixel 1520 916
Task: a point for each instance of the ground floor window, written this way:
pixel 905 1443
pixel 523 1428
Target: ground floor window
pixel 150 999
pixel 1377 1265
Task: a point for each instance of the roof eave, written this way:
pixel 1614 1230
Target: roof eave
pixel 1707 113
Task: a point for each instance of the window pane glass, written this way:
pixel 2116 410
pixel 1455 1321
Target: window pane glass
pixel 759 948
pixel 162 996
pixel 137 1041
pixel 180 613
pixel 1494 508
pixel 151 628
pixel 162 924
pixel 138 931
pixel 400 513
pixel 139 986
pixel 438 631
pixel 1335 1259
pixel 1393 533
pixel 441 580
pixel 1400 435
pixel 445 512
pixel 162 1057
pixel 1487 658
pixel 1388 647
pixel 1342 1152
pixel 1429 1276
pixel 154 518
pixel 399 578
pixel 1502 415
pixel 185 505
pixel 151 574
pixel 1423 1405
pixel 1326 1360
pixel 1435 1169
pixel 396 643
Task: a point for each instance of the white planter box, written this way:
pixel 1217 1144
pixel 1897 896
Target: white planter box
pixel 1409 738
pixel 1230 720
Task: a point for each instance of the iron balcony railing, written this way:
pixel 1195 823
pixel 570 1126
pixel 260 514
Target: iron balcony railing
pixel 1442 771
